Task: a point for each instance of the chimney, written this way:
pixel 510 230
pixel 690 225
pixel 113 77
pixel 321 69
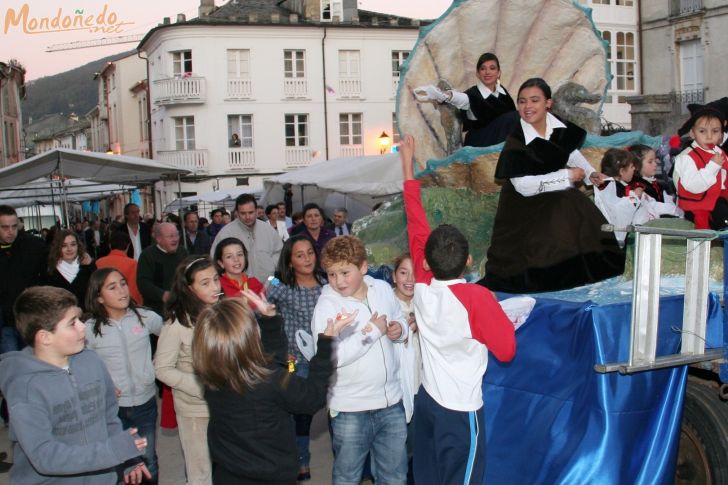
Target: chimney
pixel 181 18
pixel 166 21
pixel 206 7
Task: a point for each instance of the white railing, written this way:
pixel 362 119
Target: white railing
pixel 193 160
pixel 395 85
pixel 350 88
pixel 298 157
pixel 239 88
pixel 190 89
pixel 241 158
pixel 295 87
pixel 352 151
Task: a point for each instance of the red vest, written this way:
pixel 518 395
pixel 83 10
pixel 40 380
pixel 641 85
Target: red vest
pixel 704 201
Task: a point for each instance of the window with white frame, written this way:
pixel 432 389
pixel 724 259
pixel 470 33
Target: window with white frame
pixel 331 9
pixel 184 132
pixel 349 129
pixel 242 127
pixel 398 58
pixel 296 130
pixel 181 62
pixel 691 65
pixel 294 63
pixel 349 64
pixel 622 59
pixel 238 63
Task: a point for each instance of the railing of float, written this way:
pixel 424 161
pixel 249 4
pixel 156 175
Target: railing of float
pixel 646 300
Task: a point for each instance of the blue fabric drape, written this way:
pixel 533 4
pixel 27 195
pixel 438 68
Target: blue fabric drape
pixel 135 198
pixel 552 419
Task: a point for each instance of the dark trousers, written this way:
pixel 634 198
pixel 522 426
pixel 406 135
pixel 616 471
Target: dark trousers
pixel 450 445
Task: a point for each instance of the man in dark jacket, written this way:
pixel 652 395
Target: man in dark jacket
pixel 157 264
pixel 138 232
pixel 197 240
pixel 23 261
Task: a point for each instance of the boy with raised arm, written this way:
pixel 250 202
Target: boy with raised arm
pixel 458 324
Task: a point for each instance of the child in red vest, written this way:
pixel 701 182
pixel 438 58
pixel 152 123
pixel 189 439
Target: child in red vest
pixel 700 171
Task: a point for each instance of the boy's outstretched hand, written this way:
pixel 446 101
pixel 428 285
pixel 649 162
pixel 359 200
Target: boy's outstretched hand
pixel 407 156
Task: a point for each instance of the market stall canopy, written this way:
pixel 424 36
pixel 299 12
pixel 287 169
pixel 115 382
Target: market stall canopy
pixel 43 191
pixel 357 183
pixel 218 197
pixel 93 166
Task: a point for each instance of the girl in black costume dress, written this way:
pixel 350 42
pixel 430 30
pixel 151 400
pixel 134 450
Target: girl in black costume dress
pixel 546 234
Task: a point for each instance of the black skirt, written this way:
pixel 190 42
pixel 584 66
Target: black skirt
pixel 548 242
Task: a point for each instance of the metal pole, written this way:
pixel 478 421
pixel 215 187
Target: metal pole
pixel 179 211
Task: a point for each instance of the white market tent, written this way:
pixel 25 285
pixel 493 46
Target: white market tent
pixel 45 192
pixel 356 183
pixel 64 164
pixel 93 166
pixel 217 198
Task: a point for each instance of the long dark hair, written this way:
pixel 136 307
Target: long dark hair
pixel 229 241
pixel 96 309
pixel 285 271
pixel 183 305
pixel 54 254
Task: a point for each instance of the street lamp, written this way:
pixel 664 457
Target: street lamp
pixel 383 142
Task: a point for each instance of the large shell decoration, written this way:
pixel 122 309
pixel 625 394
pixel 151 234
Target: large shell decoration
pixel 553 39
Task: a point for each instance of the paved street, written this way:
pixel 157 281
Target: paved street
pixel 172 464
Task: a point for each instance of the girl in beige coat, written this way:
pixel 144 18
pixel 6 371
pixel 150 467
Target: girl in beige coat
pixel 196 286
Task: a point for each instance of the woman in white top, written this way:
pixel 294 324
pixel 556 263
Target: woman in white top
pixel 546 234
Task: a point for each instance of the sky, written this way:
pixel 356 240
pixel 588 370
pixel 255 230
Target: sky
pixel 27 41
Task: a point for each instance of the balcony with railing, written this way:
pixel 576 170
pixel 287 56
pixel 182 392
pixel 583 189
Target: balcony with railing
pixel 197 161
pixel 241 159
pixel 295 87
pixel 686 7
pixel 351 151
pixel 180 90
pixel 239 89
pixel 681 99
pixel 350 88
pixel 297 157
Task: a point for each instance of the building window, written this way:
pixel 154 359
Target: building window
pixel 293 63
pixel 242 127
pixel 238 63
pixel 349 64
pixel 296 130
pixel 184 132
pixel 691 65
pixel 181 62
pixel 625 3
pixel 350 128
pixel 398 58
pixel 331 9
pixel 395 129
pixel 621 56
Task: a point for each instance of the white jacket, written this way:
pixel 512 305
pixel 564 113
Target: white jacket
pixel 367 368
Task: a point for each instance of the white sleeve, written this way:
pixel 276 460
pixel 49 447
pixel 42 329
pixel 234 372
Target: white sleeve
pixel 577 160
pixel 350 344
pixel 459 100
pixel 530 185
pixel 695 180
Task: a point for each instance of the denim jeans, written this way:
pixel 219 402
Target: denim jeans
pixel 10 340
pixel 144 418
pixel 380 432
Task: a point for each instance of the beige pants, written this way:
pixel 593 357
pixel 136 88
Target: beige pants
pixel 193 435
